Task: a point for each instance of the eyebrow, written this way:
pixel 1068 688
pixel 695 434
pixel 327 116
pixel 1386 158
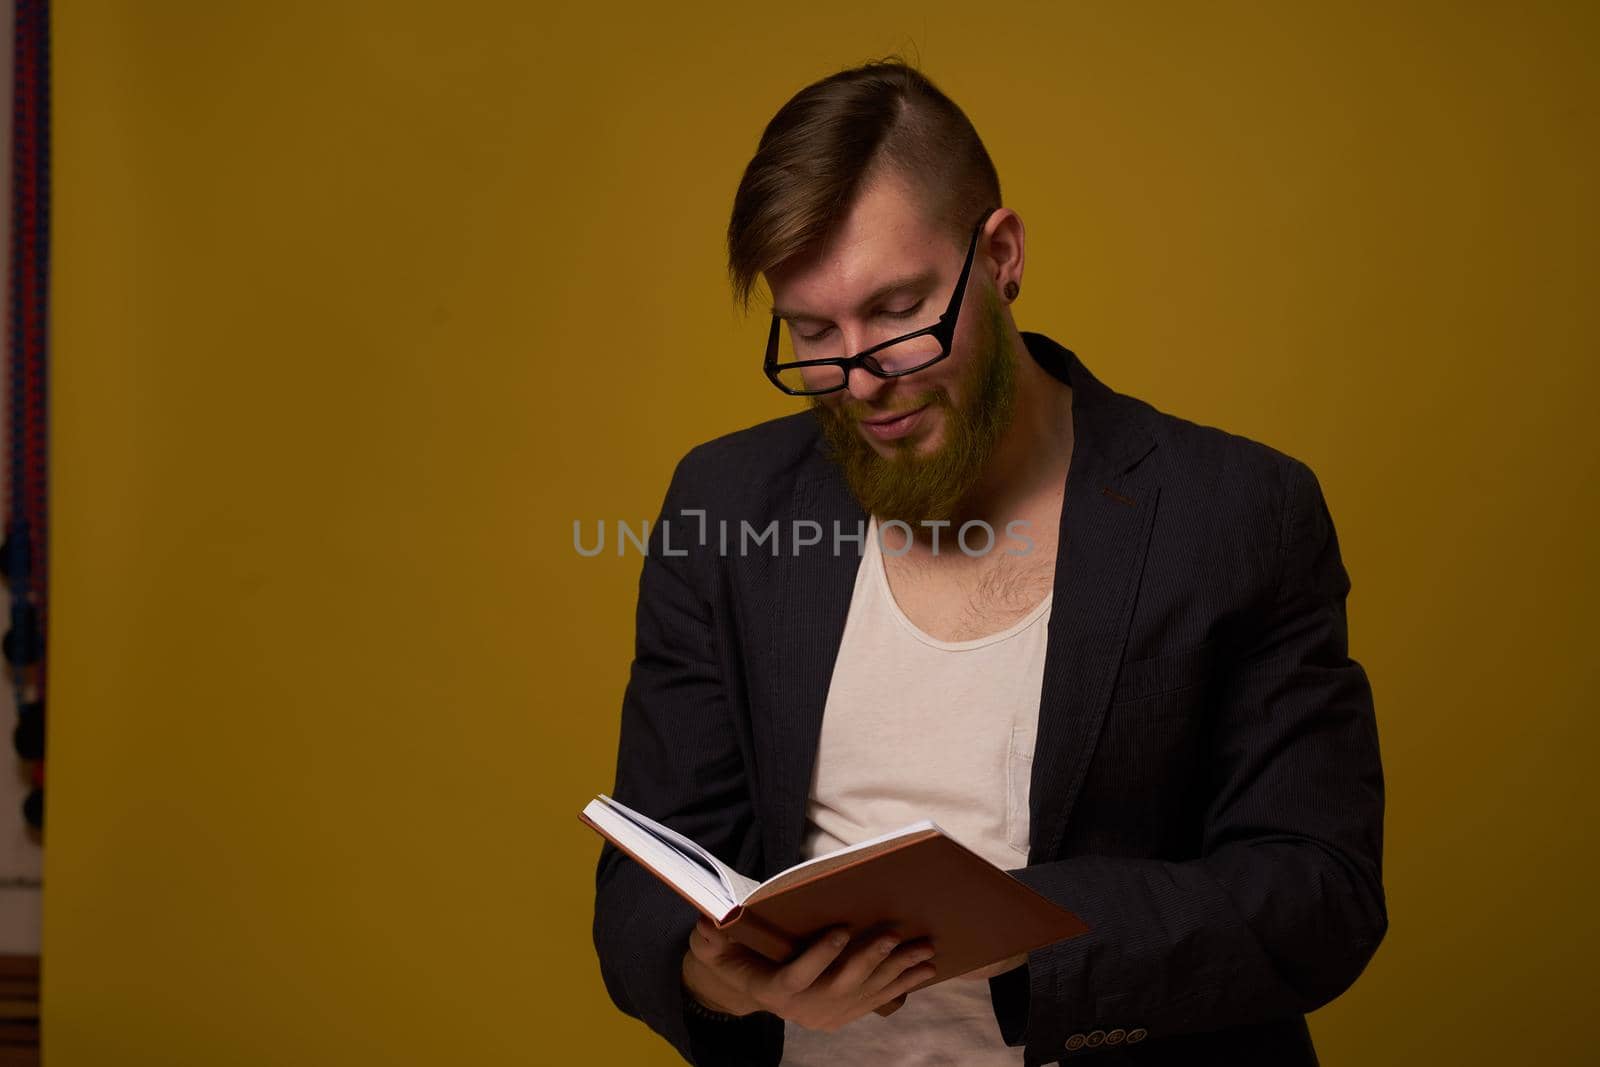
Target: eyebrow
pixel 922 278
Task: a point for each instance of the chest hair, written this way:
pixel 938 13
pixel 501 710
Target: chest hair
pixel 953 597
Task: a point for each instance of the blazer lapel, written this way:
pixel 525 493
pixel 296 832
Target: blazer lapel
pixel 1106 519
pixel 815 585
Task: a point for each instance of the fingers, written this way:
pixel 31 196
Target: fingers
pixel 798 974
pixel 864 959
pixel 830 982
pixel 707 944
pixel 709 934
pixel 891 1007
pixel 711 942
pixel 734 963
pixel 905 983
pixel 896 963
pixel 869 977
pixel 707 984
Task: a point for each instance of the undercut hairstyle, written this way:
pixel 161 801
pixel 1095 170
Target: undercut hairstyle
pixel 829 140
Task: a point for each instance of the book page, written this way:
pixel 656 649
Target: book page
pixel 737 885
pixel 861 850
pixel 688 873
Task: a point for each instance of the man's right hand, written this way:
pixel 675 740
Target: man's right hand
pixel 831 983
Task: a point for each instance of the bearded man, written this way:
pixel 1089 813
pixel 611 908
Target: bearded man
pixel 1139 702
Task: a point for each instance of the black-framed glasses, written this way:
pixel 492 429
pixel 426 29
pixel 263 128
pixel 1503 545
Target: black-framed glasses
pixel 893 358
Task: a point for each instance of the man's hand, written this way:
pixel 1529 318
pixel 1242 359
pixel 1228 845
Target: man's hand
pixel 1002 967
pixel 831 983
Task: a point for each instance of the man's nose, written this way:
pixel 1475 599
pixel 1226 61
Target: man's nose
pixel 862 384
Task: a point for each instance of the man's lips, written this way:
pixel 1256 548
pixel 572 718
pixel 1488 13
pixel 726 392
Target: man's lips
pixel 885 427
pixel 881 419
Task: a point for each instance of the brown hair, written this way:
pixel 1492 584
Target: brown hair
pixel 820 147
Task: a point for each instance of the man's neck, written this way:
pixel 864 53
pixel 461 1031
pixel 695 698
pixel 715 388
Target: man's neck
pixel 1030 461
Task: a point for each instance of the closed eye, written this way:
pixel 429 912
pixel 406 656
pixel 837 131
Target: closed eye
pixel 906 314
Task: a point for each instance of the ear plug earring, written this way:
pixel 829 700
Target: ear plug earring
pixel 1011 290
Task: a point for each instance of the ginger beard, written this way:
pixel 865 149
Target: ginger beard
pixel 916 488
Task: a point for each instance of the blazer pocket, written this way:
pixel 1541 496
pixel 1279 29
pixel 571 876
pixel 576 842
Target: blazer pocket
pixel 1169 671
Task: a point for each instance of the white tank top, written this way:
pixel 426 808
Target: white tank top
pixel 919 728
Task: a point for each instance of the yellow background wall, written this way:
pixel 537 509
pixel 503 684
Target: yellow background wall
pixel 359 305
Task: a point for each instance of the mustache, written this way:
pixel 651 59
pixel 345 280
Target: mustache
pixel 856 410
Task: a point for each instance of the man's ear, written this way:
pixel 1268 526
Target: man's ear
pixel 1004 248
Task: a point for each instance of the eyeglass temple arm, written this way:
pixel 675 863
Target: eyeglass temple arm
pixel 966 269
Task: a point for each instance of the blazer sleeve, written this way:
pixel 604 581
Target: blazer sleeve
pixel 678 761
pixel 1285 906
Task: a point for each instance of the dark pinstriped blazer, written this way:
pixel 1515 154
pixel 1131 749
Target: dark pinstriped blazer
pixel 1206 788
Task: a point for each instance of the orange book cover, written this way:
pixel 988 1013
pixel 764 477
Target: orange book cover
pixel 917 882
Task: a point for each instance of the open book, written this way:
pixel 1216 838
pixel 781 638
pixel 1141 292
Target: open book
pixel 917 881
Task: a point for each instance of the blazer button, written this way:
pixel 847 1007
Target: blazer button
pixel 1138 1033
pixel 1075 1042
pixel 1095 1038
pixel 1115 1037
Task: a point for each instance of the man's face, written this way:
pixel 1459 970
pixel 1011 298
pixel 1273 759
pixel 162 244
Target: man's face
pixel 911 447
pixel 925 473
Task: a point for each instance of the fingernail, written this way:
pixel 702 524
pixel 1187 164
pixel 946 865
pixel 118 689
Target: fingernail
pixel 838 939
